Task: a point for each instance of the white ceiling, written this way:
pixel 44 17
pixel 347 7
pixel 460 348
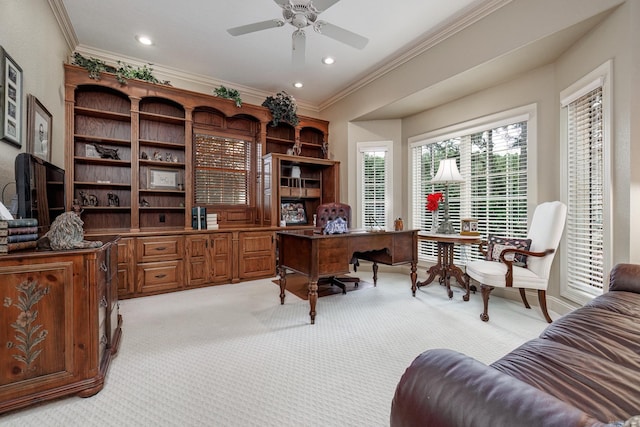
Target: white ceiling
pixel 191 36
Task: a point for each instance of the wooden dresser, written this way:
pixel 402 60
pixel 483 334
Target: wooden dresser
pixel 59 323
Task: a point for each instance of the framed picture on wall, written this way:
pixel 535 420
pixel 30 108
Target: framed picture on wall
pixel 39 123
pixel 10 99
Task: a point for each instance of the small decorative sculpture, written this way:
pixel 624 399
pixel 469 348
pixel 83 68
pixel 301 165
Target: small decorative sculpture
pixel 144 203
pixel 144 156
pixel 168 157
pixel 157 156
pixel 66 233
pixel 88 199
pixel 113 199
pixel 107 153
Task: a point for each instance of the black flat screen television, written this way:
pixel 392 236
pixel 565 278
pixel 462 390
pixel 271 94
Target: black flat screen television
pixel 40 188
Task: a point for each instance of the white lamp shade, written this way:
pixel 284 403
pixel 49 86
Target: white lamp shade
pixel 448 172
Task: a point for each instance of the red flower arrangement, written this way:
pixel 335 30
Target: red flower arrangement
pixel 433 201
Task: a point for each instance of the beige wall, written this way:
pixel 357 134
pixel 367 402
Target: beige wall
pixel 30 33
pixel 614 38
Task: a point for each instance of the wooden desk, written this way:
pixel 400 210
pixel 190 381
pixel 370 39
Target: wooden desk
pixel 445 268
pixel 317 255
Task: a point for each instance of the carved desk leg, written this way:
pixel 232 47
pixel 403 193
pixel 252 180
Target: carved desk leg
pixel 313 298
pixel 283 283
pixel 375 273
pixel 414 276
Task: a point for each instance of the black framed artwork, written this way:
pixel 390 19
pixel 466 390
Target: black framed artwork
pixel 11 100
pixel 39 122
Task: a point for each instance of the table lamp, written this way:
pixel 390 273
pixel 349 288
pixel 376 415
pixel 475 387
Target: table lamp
pixel 447 173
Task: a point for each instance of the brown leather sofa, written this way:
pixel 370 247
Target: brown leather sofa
pixel 583 370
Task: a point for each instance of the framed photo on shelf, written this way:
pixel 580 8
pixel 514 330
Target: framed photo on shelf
pixel 293 213
pixel 10 99
pixel 166 179
pixel 39 122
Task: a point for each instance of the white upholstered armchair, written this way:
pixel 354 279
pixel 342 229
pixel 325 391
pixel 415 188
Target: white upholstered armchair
pixel 510 263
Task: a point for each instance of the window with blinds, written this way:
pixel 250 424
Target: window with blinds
pixel 374 186
pixel 585 191
pixel 222 170
pixel 493 160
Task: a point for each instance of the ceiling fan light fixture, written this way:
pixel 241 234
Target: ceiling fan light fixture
pixel 328 60
pixel 144 40
pixel 298 85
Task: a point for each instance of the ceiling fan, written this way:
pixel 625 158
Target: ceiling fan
pixel 302 14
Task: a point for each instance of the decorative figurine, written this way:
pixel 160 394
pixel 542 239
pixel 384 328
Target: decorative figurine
pixel 113 199
pixel 88 199
pixel 144 156
pixel 107 153
pixel 168 157
pixel 157 156
pixel 144 203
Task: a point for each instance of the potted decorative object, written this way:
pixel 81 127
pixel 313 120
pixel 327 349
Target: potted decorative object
pixel 233 94
pixel 123 71
pixel 433 203
pixel 283 108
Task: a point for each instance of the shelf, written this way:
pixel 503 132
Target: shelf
pixel 101 161
pixel 165 144
pixel 162 208
pixel 106 208
pixel 280 140
pixel 162 118
pixel 177 165
pixel 104 140
pixel 101 184
pixel 91 112
pixel 162 191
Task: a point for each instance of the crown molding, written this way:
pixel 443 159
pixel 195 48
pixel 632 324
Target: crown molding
pixel 452 26
pixel 64 23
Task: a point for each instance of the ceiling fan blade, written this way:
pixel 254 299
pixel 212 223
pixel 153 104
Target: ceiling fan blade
pixel 256 26
pixel 282 3
pixel 322 5
pixel 298 53
pixel 340 34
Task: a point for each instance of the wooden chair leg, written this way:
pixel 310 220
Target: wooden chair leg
pixel 486 290
pixel 542 299
pixel 524 298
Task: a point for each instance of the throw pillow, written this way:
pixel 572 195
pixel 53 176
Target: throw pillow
pixel 497 244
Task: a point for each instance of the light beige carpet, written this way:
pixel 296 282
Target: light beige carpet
pixel 233 356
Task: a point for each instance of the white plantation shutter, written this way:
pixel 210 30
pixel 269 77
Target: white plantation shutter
pixel 222 169
pixel 494 162
pixel 585 181
pixel 374 185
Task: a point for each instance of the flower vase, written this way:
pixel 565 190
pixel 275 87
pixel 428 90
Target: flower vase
pixel 435 221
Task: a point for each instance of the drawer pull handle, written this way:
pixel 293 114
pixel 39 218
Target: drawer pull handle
pixel 103 302
pixel 162 248
pixel 103 267
pixel 161 276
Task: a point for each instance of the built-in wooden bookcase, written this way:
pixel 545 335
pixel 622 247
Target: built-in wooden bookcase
pixel 102 120
pixel 162 163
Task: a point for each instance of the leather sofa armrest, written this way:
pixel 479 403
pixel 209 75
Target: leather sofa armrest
pixel 625 277
pixel 446 388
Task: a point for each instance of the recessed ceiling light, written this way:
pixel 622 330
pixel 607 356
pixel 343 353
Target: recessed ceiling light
pixel 327 60
pixel 144 40
pixel 298 85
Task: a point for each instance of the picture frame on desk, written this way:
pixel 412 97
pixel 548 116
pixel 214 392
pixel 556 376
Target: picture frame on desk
pixel 39 122
pixel 167 179
pixel 10 100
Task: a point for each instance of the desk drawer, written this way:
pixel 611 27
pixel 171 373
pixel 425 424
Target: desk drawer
pixel 160 276
pixel 160 248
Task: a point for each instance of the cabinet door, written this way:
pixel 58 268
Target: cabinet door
pixel 126 267
pixel 220 256
pixel 257 254
pixel 197 260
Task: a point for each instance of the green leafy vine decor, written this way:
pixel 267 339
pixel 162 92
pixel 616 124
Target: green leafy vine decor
pixel 233 94
pixel 28 334
pixel 123 72
pixel 283 108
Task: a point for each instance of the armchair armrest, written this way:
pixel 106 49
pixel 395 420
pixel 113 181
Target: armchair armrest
pixel 509 264
pixel 625 277
pixel 446 388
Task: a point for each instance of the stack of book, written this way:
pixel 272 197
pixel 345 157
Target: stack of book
pixel 212 221
pixel 18 234
pixel 199 218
